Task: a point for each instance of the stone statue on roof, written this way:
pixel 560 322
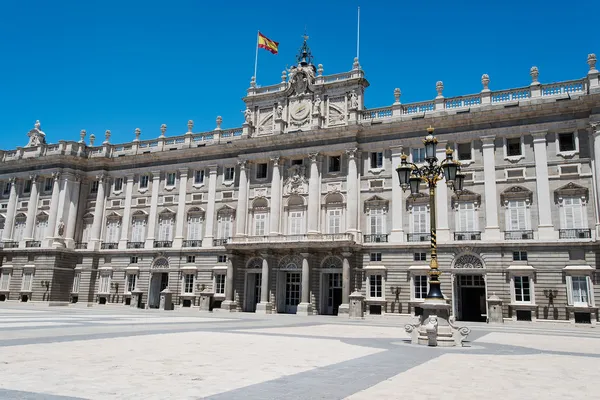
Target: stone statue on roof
pixel 36 136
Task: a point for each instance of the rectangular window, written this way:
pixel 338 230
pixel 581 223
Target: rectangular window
pixel 375 256
pixel 335 163
pixel 375 286
pixel 7 186
pixel 260 222
pixel 144 181
pixel 225 227
pixel 261 171
pixel 297 162
pixel 188 283
pixel 420 215
pixel 131 281
pixel 171 179
pixel 133 260
pixel 76 282
pixel 27 281
pixel 464 151
pixel 466 217
pixel 104 283
pixel 40 228
pixel 566 142
pixel 27 186
pixel 522 289
pixel 191 259
pixel 580 291
pixel 138 230
pixel 113 229
pixel 573 213
pixel 48 185
pixel 199 177
pixel 334 221
pixel 517 211
pixel 229 173
pixel 519 256
pixel 118 184
pixel 420 256
pixel 5 280
pixel 194 227
pixel 513 147
pixel 165 231
pixel 296 222
pixel 86 231
pixel 377 159
pixel 376 221
pixel 94 188
pixel 420 286
pixel 219 283
pixel 222 259
pixel 418 155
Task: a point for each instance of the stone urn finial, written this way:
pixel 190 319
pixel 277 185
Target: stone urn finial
pixel 37 124
pixel 253 82
pixel 320 70
pixel 219 122
pixel 485 81
pixel 92 139
pixel 106 137
pixel 591 60
pixel 439 87
pixel 535 73
pixel 163 130
pixel 397 94
pixel 138 132
pixel 283 76
pixel 190 126
pixel 82 136
pixel 355 64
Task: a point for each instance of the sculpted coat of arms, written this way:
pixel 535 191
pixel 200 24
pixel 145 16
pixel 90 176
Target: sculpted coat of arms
pixel 296 182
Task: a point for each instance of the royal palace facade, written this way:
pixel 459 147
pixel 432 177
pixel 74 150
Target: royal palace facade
pixel 301 206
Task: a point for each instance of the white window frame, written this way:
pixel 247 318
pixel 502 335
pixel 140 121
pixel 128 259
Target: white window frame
pixel 458 216
pixel 225 226
pixel 505 148
pixel 569 153
pixel 144 182
pixel 5 277
pixel 104 282
pixel 41 227
pixel 296 222
pixel 580 271
pixel 418 270
pixel 413 214
pixel 376 213
pixel 112 231
pixel 465 163
pixel 333 214
pixel 138 228
pixel 170 176
pixel 184 283
pixel 19 229
pixel 377 154
pixel 120 189
pixel 166 225
pixel 508 220
pixel 372 274
pixel 219 283
pixel 225 170
pixel 195 226
pixel 199 177
pixel 76 282
pixel 419 149
pixel 260 224
pixel 27 279
pixel 133 276
pixel 582 212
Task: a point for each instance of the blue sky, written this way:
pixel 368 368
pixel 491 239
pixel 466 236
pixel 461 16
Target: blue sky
pixel 120 65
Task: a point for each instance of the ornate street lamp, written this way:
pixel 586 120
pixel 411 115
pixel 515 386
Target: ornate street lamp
pixel 411 175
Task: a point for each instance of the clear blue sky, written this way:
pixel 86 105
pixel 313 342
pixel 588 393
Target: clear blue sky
pixel 119 65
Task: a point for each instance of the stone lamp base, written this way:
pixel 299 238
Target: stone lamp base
pixel 436 327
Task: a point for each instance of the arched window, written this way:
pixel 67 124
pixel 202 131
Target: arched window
pixel 225 222
pixel 113 228
pixel 41 226
pixel 166 221
pixel 334 213
pixel 517 201
pixel 138 226
pixel 86 232
pixel 195 221
pixel 260 212
pixel 296 210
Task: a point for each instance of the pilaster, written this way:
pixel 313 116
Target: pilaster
pixel 492 229
pixel 94 243
pixel 229 304
pixel 180 218
pixel 352 194
pixel 275 218
pixel 397 232
pixel 9 222
pixel 443 228
pixel 207 240
pixel 57 202
pixel 31 210
pixel 595 133
pixel 305 307
pixel 126 211
pixel 344 308
pixel 264 307
pixel 313 194
pixel 545 228
pixel 73 205
pixel 153 210
pixel 242 209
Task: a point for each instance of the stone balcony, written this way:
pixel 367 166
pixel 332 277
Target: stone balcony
pixel 518 235
pixel 135 245
pixel 192 243
pixel 575 233
pixel 470 235
pixel 323 240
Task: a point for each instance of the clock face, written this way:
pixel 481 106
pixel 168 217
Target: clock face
pixel 300 111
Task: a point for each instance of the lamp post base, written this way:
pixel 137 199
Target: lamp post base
pixel 436 326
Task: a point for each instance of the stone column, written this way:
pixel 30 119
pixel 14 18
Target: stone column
pixel 207 241
pixel 179 223
pixel 305 308
pixel 344 308
pixel 9 222
pixel 153 210
pixel 352 195
pixel 595 130
pixel 98 214
pixel 126 211
pixel 229 303
pixel 31 210
pixel 545 228
pixel 492 229
pixel 443 229
pixel 72 216
pixel 275 219
pixel 55 205
pixel 242 209
pixel 313 195
pixel 397 233
pixel 264 307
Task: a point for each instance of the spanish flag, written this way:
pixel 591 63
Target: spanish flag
pixel 267 44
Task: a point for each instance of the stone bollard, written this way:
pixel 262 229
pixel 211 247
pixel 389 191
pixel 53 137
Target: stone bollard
pixel 356 305
pixel 206 300
pixel 495 310
pixel 165 300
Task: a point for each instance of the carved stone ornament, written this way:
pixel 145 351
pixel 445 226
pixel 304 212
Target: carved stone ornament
pixel 591 60
pixel 376 202
pixel 160 262
pixel 571 190
pixel 516 193
pixel 254 263
pixel 353 100
pixel 335 187
pixel 248 116
pixel 467 261
pixel 61 228
pixel 290 262
pixel 332 262
pixel 485 81
pixel 260 192
pixel 36 136
pixel 535 73
pixel 296 182
pixel 301 80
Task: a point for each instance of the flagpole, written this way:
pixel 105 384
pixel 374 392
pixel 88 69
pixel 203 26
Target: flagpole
pixel 358 35
pixel 256 57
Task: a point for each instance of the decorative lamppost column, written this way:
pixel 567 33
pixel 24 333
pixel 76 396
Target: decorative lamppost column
pixel 431 330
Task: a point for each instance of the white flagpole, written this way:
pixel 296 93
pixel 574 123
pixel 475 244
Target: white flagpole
pixel 256 57
pixel 358 35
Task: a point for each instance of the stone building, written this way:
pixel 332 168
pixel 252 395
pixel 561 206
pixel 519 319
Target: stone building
pixel 301 205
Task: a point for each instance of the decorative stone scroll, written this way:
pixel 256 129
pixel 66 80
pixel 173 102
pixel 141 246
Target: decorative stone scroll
pixel 290 262
pixel 467 261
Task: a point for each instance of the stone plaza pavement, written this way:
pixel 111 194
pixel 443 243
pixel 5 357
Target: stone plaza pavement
pixel 120 353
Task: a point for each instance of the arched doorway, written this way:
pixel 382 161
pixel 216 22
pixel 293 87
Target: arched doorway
pixel 159 280
pixel 253 283
pixel 289 284
pixel 331 285
pixel 469 288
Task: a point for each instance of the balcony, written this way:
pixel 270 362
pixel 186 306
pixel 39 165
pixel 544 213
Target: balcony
pixel 109 246
pixel 163 244
pixel 33 243
pixel 418 237
pixel 316 237
pixel 221 242
pixel 518 235
pixel 10 245
pixel 467 236
pixel 135 245
pixel 575 234
pixel 375 238
pixel 192 243
pixel 80 245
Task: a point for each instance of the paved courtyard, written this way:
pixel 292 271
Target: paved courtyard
pixel 120 353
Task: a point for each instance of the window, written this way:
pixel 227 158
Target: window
pixel 418 155
pixel 27 186
pixel 296 222
pixel 516 218
pixel 7 187
pixel 144 182
pixel 165 229
pixel 118 184
pixel 420 256
pixel 188 283
pixel 171 179
pixel 573 213
pixel 375 286
pixel 566 142
pixel 377 159
pixel 48 184
pixel 260 222
pixel 5 280
pixel 229 173
pixel 76 282
pixel 420 282
pixel 261 171
pixel 464 151
pixel 86 232
pixel 104 283
pixel 133 259
pixel 221 259
pixel 41 226
pixel 519 256
pixel 194 227
pixel 579 291
pixel 513 147
pixel 466 221
pixel 27 281
pixel 138 230
pixel 334 218
pixel 376 221
pixel 420 216
pixel 522 289
pixel 113 228
pixel 191 259
pixel 94 188
pixel 219 283
pixel 131 281
pixel 19 229
pixel 199 177
pixel 297 162
pixel 225 227
pixel 375 256
pixel 335 163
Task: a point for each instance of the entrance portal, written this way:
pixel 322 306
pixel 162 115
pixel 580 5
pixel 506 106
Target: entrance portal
pixel 470 298
pixel 158 282
pixel 292 291
pixel 253 286
pixel 332 283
